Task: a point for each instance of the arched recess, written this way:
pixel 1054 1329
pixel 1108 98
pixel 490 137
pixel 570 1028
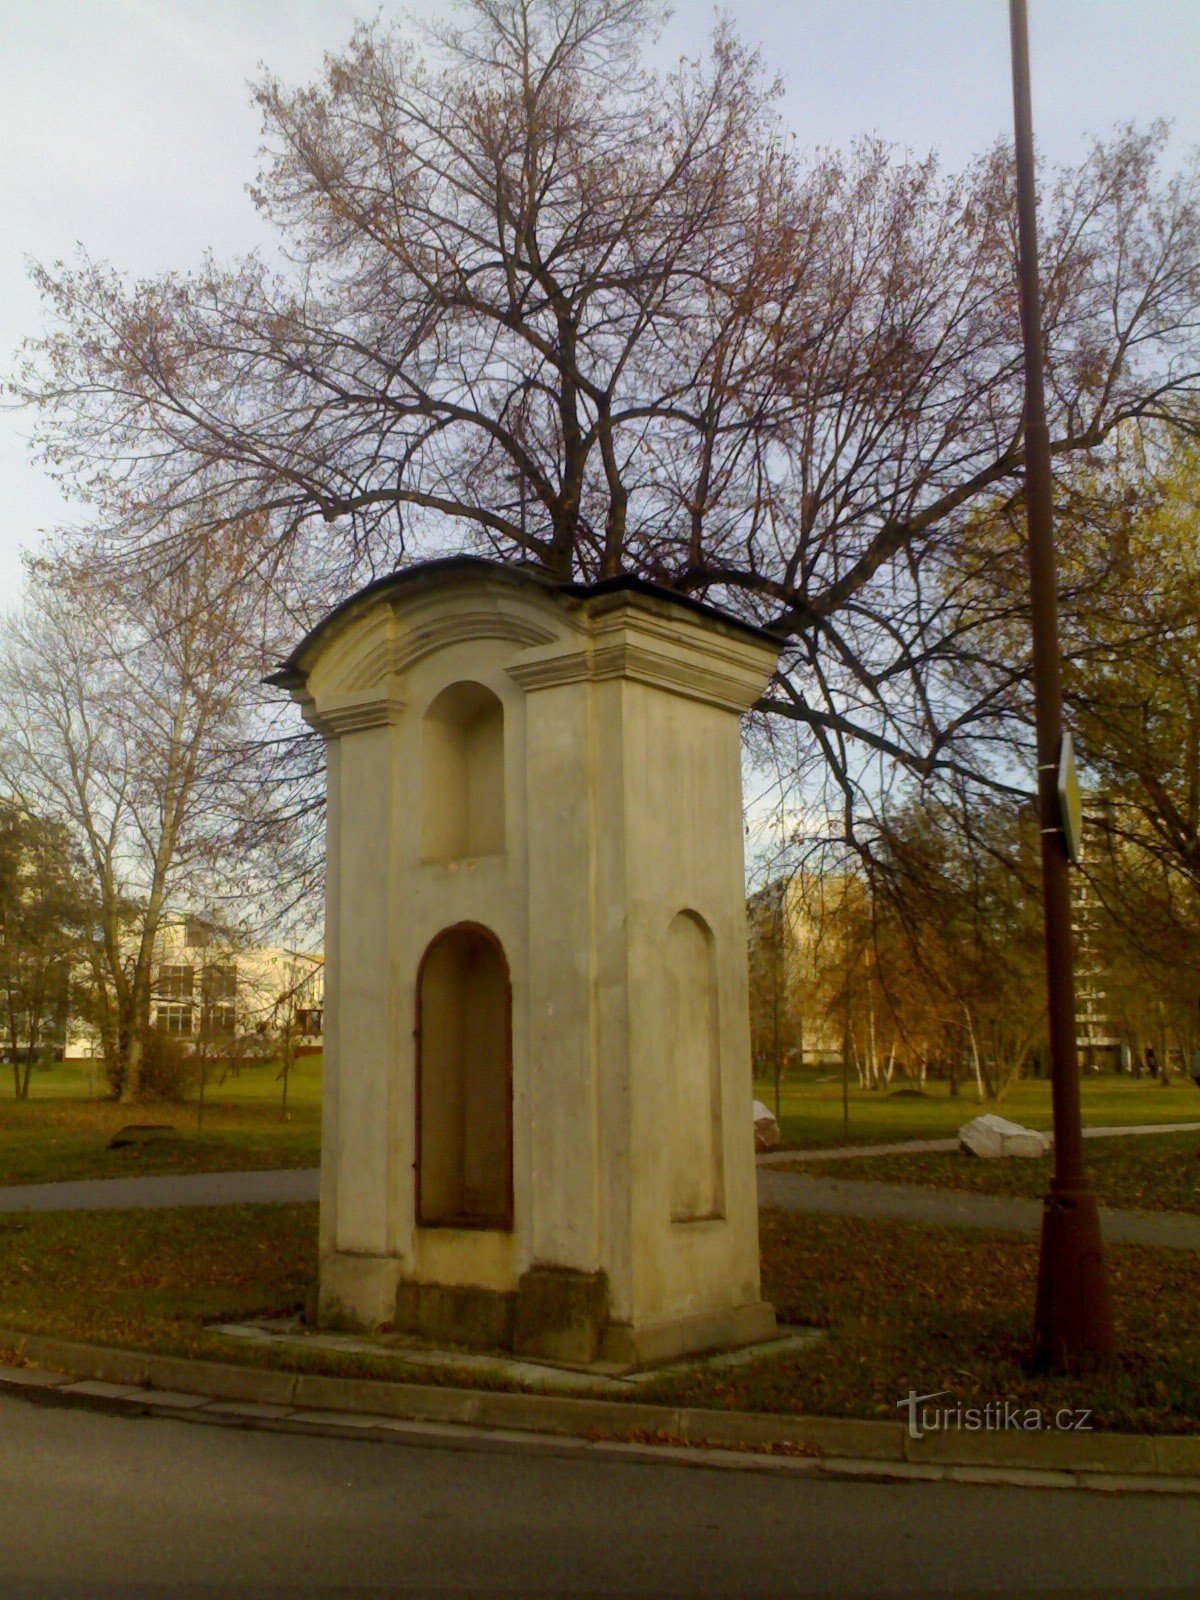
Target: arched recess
pixel 464 1082
pixel 697 1165
pixel 462 777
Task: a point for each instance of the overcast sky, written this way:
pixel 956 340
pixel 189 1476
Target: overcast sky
pixel 125 124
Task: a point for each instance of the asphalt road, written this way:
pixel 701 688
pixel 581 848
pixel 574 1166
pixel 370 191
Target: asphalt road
pixel 165 1189
pixel 100 1506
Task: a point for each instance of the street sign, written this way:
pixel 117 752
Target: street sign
pixel 1070 802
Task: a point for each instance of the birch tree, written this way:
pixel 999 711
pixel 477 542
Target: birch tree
pixel 128 719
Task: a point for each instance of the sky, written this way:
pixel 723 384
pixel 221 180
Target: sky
pixel 125 125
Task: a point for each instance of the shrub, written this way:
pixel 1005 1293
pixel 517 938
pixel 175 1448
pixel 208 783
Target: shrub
pixel 167 1070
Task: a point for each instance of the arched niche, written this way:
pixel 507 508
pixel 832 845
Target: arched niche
pixel 462 774
pixel 464 1082
pixel 697 1167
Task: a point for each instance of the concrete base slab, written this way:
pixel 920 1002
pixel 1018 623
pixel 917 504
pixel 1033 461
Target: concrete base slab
pixel 340 1419
pixel 546 1377
pixel 175 1399
pixel 259 1411
pixel 1138 1483
pixel 96 1389
pixel 646 1345
pixel 32 1377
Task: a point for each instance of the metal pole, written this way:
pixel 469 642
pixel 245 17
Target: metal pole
pixel 1073 1321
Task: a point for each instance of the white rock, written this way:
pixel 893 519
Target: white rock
pixel 990 1136
pixel 766 1129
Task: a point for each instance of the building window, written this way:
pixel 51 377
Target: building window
pixel 175 982
pixel 174 1017
pixel 464 1082
pixel 220 1021
pixel 220 982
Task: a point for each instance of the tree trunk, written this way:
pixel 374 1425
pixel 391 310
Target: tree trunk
pixel 979 1089
pixel 131 1078
pixel 203 1081
pixel 13 1044
pixel 846 1075
pixel 287 1068
pixel 35 1034
pixel 775 1020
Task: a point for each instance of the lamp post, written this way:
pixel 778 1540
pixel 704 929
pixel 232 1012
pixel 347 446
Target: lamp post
pixel 1073 1320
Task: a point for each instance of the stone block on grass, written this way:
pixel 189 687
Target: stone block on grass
pixel 766 1129
pixel 991 1137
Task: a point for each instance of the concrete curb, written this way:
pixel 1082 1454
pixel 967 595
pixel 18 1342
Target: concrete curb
pixel 177 1386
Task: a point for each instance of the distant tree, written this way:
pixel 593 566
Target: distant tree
pixel 1144 935
pixel 813 986
pixel 1134 684
pixel 958 936
pixel 549 304
pixel 43 910
pixel 127 716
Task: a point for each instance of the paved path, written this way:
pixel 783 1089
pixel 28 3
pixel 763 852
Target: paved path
pixel 905 1202
pixel 187 1189
pixel 911 1147
pixel 787 1191
pixel 844 1152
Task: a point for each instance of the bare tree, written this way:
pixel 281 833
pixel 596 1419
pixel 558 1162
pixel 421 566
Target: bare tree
pixel 957 936
pixel 128 718
pixel 547 303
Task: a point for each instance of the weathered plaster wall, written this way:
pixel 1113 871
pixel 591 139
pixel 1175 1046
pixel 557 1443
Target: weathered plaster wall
pixel 612 879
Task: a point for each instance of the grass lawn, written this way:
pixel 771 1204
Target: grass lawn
pixel 56 1135
pixel 932 1309
pixel 63 1130
pixel 905 1307
pixel 152 1279
pixel 1155 1172
pixel 811 1109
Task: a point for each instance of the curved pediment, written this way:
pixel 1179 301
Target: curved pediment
pixel 408 642
pixel 397 621
pixel 559 632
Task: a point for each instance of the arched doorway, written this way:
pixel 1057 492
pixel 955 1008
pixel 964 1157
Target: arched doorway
pixel 464 1082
